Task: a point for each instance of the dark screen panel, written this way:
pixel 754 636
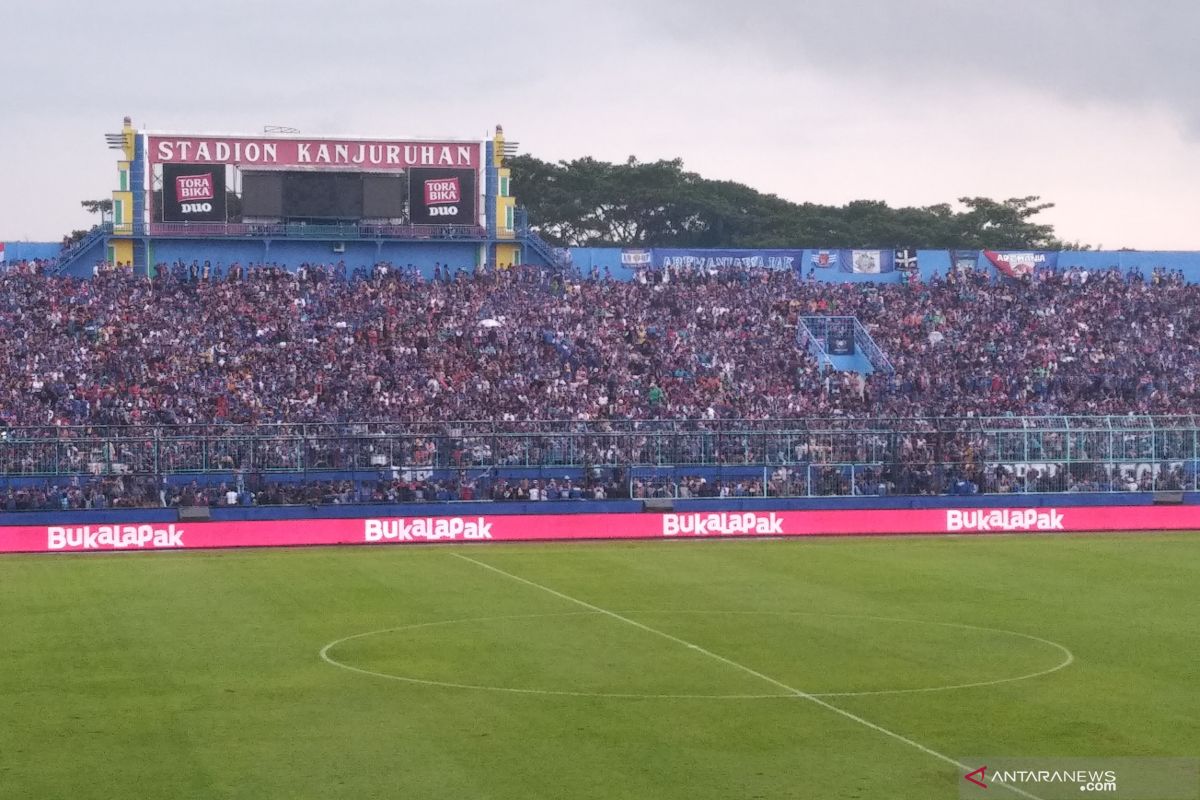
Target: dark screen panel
pixel 323 195
pixel 384 196
pixel 262 194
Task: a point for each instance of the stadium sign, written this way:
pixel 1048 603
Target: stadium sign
pixel 428 529
pixel 722 524
pixel 1005 519
pixel 280 152
pixel 114 537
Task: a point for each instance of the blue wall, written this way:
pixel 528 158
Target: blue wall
pixel 467 254
pixel 1189 262
pixel 29 251
pixel 587 258
pixel 80 263
pixel 216 250
pixel 932 262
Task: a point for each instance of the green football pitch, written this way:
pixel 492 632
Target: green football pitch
pixel 824 668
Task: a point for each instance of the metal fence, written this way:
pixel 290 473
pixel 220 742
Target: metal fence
pixel 803 457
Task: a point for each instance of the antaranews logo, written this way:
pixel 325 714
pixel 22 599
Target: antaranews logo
pixel 1085 780
pixel 1054 778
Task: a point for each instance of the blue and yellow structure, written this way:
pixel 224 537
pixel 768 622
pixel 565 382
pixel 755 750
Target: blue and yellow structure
pixel 131 237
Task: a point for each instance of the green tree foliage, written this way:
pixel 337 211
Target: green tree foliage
pixel 101 207
pixel 586 202
pixel 74 236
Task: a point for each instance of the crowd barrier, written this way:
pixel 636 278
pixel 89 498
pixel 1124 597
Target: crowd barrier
pixel 488 526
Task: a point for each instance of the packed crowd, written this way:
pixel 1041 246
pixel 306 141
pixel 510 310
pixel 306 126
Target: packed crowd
pixel 140 491
pixel 261 344
pixel 256 344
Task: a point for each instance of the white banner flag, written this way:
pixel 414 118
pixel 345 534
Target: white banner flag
pixel 866 260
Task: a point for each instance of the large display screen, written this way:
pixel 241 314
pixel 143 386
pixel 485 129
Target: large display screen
pixel 330 196
pixel 384 196
pixel 322 196
pixel 262 194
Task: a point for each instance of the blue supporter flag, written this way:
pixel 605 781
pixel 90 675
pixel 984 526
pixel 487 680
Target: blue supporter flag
pixel 825 259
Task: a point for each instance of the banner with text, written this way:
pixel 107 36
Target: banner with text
pixel 1018 264
pixel 344 154
pixel 717 260
pixel 551 527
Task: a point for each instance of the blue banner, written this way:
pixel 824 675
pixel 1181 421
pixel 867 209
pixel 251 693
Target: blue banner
pixel 717 260
pixel 963 260
pixel 824 259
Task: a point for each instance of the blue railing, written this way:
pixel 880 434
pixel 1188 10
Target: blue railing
pixel 874 353
pixel 812 334
pixel 549 254
pixel 79 249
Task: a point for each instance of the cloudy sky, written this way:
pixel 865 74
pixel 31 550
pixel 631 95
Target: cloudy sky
pixel 1089 103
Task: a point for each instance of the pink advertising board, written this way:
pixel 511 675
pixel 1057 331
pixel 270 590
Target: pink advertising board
pixel 560 527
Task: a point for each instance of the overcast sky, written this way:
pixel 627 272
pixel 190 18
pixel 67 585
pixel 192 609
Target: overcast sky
pixel 1091 104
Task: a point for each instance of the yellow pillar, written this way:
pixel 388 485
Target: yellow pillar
pixel 121 249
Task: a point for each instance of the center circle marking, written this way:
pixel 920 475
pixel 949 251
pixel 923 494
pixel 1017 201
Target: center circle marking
pixel 1067 660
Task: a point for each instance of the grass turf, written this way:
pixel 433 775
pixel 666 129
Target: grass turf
pixel 197 674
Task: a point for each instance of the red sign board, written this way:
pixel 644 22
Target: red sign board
pixel 346 154
pixel 442 191
pixel 194 187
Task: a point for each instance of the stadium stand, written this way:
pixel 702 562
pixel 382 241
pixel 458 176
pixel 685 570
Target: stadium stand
pixel 259 345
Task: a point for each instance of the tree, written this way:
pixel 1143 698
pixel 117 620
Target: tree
pixel 102 207
pixel 992 225
pixel 587 202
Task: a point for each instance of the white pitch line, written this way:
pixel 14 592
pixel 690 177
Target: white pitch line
pixel 798 693
pixel 325 655
pixel 1068 656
